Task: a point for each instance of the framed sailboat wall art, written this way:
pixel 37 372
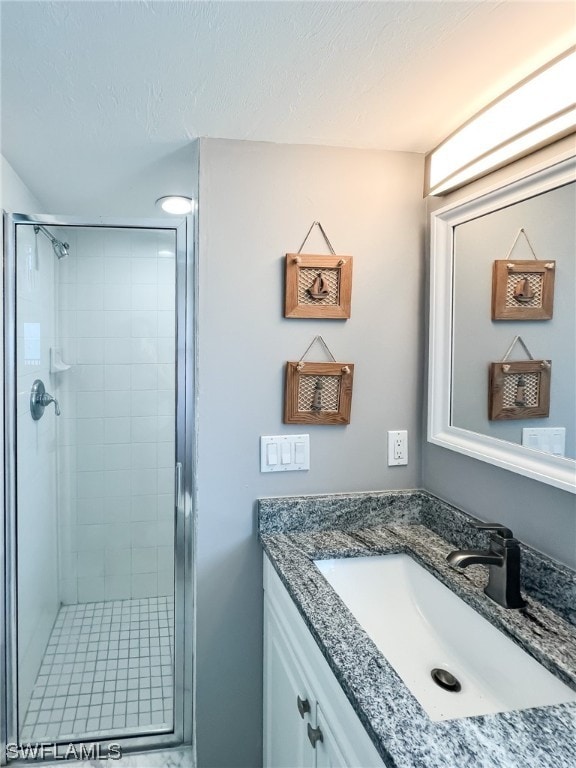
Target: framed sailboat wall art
pixel 523 290
pixel 318 286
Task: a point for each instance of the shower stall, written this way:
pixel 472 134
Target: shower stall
pixel 99 455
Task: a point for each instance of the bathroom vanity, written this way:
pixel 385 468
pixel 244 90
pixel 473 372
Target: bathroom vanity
pixel 332 698
pixel 308 719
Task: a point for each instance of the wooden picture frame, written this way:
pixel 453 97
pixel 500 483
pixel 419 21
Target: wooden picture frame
pixel 519 390
pixel 318 393
pixel 318 286
pixel 523 290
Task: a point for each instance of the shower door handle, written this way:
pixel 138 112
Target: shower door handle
pixel 178 485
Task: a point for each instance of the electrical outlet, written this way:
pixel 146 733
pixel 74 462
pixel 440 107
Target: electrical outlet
pixel 397 447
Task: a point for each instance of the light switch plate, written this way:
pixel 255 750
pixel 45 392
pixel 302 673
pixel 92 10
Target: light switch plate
pixel 547 439
pixel 284 453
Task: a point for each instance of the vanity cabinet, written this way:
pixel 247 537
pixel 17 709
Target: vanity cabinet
pixel 308 721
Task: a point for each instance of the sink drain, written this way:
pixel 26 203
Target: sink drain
pixel 445 680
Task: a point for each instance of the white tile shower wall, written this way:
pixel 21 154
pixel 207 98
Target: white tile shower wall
pixel 38 601
pixel 117 330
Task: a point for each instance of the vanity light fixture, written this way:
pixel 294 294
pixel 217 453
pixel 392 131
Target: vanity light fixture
pixel 536 112
pixel 175 204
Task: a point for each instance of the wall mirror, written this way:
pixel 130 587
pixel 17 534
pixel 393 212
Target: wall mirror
pixel 466 238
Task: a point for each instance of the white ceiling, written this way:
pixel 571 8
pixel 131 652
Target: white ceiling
pixel 103 90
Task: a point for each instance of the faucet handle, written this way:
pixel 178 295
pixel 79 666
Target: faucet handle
pixel 498 528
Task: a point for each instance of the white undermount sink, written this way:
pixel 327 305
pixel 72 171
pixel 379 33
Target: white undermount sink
pixel 420 625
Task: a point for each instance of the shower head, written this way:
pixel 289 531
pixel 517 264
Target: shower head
pixel 60 248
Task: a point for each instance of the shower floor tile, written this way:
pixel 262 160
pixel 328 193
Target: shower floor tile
pixel 107 668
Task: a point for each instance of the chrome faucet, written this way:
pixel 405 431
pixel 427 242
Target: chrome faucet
pixel 503 561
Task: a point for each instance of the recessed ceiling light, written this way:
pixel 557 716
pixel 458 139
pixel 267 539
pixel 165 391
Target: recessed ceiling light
pixel 176 204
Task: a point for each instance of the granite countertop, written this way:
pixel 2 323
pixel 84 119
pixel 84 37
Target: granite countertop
pixel 296 530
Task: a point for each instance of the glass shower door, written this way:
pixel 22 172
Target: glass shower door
pixel 97 518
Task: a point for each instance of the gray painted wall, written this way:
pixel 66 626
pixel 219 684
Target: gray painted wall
pixel 540 515
pixel 256 203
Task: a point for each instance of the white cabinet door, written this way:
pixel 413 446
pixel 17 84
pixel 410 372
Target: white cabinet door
pixel 294 667
pixel 286 743
pixel 328 753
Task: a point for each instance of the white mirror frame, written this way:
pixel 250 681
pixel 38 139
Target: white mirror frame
pixel 553 470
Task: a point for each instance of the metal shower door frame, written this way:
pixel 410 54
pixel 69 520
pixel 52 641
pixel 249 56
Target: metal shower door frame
pixel 185 484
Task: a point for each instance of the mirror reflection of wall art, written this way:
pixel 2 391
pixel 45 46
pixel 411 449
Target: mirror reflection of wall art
pixel 318 286
pixel 520 389
pixel 522 290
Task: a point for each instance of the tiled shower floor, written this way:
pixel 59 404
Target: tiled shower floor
pixel 107 667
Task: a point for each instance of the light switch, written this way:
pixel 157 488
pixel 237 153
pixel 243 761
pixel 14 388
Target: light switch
pixel 284 453
pixel 271 454
pixel 299 453
pixel 558 442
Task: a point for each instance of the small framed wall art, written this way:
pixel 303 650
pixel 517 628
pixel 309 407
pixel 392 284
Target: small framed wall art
pixel 318 393
pixel 520 389
pixel 318 286
pixel 523 290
